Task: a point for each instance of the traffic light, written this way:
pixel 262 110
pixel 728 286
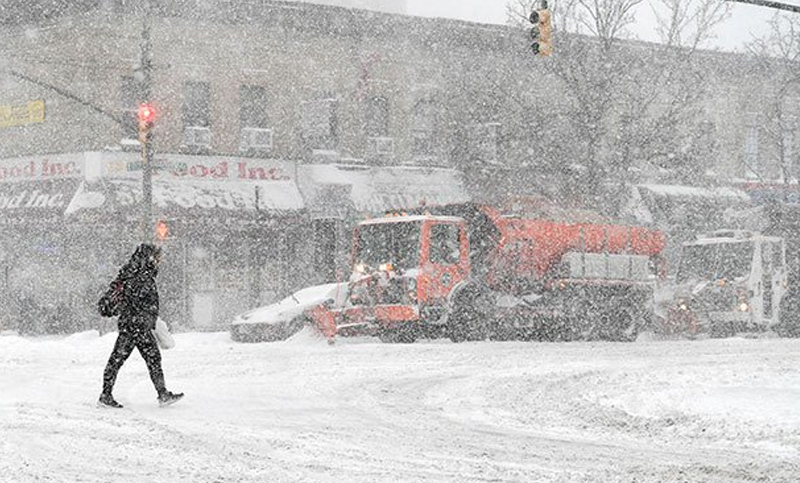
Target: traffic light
pixel 541 32
pixel 162 231
pixel 147 116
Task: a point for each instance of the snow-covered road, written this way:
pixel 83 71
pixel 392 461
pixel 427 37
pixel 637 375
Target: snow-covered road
pixel 362 411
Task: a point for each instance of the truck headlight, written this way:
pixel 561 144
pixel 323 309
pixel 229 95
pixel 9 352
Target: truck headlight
pixel 411 288
pixel 743 305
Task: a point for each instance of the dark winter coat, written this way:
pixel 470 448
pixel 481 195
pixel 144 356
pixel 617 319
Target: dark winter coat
pixel 139 308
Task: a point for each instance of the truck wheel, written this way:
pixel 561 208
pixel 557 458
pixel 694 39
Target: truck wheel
pixel 457 325
pixel 470 315
pixel 402 334
pixel 721 330
pixel 625 328
pixel 789 324
pixel 788 330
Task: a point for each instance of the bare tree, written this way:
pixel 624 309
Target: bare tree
pixel 630 103
pixel 777 56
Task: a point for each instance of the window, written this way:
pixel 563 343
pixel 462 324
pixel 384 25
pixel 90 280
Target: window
pixel 253 107
pixel 445 247
pixel 377 120
pixel 751 152
pixel 196 104
pixel 319 124
pixel 130 96
pixel 395 243
pixel 423 129
pixel 255 136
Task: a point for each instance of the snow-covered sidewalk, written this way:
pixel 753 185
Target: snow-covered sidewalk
pixel 362 411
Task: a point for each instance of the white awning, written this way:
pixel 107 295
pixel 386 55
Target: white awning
pixel 716 193
pixel 379 189
pixel 172 196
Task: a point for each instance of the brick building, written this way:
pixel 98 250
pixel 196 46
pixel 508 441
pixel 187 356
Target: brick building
pixel 279 124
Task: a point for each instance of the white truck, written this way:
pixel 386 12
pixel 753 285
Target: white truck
pixel 729 281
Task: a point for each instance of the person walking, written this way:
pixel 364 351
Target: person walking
pixel 137 319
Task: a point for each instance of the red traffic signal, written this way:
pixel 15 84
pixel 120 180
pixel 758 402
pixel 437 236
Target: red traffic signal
pixel 146 113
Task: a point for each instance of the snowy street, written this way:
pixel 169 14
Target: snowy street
pixel 362 411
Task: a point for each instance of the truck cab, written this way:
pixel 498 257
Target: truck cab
pixel 404 268
pixel 729 281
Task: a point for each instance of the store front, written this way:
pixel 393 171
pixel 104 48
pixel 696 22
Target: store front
pixel 45 264
pixel 236 231
pixel 242 232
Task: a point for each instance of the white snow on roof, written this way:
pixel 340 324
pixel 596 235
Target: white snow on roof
pixel 695 192
pixel 381 189
pixel 409 218
pixel 190 194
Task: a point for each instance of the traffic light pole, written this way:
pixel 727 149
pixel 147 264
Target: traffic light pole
pixel 147 189
pixel 147 228
pixel 770 4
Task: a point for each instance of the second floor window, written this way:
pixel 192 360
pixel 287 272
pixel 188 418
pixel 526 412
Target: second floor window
pixel 255 135
pixel 196 104
pixel 254 107
pixel 319 123
pixel 377 119
pixel 423 129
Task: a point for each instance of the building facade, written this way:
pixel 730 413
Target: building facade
pixel 279 124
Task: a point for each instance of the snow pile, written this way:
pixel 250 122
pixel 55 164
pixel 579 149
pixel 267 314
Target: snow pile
pixel 362 411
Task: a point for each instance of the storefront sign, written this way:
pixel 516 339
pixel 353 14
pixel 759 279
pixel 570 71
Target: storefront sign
pixel 240 170
pixel 223 169
pixel 31 112
pixel 35 196
pixel 189 167
pixel 185 196
pixel 43 168
pixel 175 195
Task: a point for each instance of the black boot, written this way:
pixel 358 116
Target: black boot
pixel 167 398
pixel 107 401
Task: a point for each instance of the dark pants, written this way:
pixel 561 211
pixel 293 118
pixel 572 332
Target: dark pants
pixel 128 339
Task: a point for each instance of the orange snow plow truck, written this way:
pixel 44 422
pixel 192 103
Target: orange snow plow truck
pixel 471 272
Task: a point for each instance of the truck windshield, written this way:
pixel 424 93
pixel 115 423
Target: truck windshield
pixel 715 261
pixel 395 243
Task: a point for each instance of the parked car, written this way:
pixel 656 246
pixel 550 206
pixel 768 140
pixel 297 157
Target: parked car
pixel 281 320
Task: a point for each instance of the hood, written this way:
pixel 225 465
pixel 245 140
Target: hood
pixel 142 262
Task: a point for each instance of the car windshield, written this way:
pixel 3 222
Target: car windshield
pixel 395 243
pixel 715 261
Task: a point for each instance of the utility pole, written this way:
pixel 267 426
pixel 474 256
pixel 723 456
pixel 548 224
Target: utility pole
pixel 770 4
pixel 146 118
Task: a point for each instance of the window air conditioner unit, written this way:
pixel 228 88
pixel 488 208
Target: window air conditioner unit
pixel 197 137
pixel 256 138
pixel 381 146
